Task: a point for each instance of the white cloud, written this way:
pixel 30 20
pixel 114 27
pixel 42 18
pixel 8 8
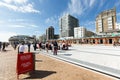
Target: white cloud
pixel 75 7
pixel 34 26
pixel 24 8
pixel 27 8
pixel 78 7
pixel 90 25
pixel 16 26
pixel 22 25
pixel 91 3
pixel 37 32
pixel 118 14
pixel 18 23
pixel 118 17
pixel 1 22
pixel 17 20
pixel 8 6
pixel 4 36
pixel 101 3
pixel 15 1
pixel 52 21
pixel 29 25
pixel 117 4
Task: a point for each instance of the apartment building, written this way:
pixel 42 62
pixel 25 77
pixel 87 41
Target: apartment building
pixel 50 33
pixel 67 24
pixel 106 21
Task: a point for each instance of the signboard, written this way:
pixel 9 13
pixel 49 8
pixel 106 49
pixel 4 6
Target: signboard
pixel 24 63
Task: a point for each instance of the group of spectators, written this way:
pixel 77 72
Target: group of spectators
pixel 54 46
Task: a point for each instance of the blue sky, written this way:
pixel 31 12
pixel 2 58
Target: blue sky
pixel 32 17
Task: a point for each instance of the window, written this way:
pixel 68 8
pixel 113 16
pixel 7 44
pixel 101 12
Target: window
pixel 110 23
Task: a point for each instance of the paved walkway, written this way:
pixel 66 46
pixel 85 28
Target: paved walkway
pixel 105 59
pixel 8 64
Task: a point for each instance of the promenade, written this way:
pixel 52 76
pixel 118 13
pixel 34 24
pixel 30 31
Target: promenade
pixel 47 67
pixel 102 58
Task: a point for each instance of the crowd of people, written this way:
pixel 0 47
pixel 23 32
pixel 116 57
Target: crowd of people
pixel 54 46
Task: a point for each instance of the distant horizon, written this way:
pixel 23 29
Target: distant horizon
pixel 33 17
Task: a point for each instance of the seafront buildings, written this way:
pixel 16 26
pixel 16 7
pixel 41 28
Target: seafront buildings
pixel 67 24
pixel 118 26
pixel 107 32
pixel 21 38
pixel 82 32
pixel 79 32
pixel 50 33
pixel 106 21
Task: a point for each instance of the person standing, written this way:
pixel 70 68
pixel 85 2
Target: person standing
pixel 3 48
pixel 47 46
pixel 35 46
pixel 29 47
pixel 21 48
pixel 15 45
pixel 40 46
pixel 0 45
pixel 60 45
pixel 55 44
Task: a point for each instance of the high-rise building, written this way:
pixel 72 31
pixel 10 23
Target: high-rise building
pixel 118 26
pixel 50 33
pixel 106 21
pixel 79 32
pixel 67 24
pixel 82 32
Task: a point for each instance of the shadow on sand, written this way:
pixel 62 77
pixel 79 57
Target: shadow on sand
pixel 39 74
pixel 38 61
pixel 5 50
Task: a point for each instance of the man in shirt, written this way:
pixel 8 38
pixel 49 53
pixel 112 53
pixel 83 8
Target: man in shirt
pixel 21 48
